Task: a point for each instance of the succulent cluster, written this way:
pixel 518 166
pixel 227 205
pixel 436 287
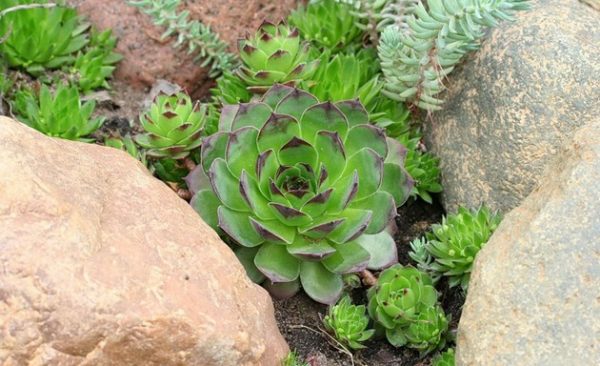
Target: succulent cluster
pixel 347 76
pixel 453 245
pixel 274 54
pixel 444 359
pixel 327 23
pixel 416 56
pixel 61 114
pixel 96 64
pixel 173 126
pixel 40 38
pixel 305 188
pixel 405 303
pixel 348 323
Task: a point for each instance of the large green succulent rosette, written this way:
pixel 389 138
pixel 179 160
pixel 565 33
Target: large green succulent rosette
pixel 305 188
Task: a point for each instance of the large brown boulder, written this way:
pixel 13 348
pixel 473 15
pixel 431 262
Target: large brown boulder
pixel 512 105
pixel 534 293
pixel 148 58
pixel 101 264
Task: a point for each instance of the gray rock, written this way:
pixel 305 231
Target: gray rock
pixel 534 295
pixel 515 102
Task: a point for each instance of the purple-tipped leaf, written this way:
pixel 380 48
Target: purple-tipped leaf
pixel 320 284
pixel 237 225
pixel 274 261
pixel 349 257
pixel 381 248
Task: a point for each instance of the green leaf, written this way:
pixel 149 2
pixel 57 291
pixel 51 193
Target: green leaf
pixel 295 103
pixel 297 151
pixel 274 231
pixel 362 136
pixel 278 130
pixel 226 186
pixel 355 223
pixel 320 284
pixel 242 152
pixel 274 261
pixel 238 226
pixel 246 257
pixel 309 249
pixel 205 202
pixel 381 247
pixel 397 183
pixel 383 207
pixel 369 166
pixel 349 257
pixel 251 114
pixel 323 117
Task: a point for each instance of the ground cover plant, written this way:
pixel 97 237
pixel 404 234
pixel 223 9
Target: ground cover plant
pixel 302 156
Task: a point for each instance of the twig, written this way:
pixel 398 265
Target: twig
pixel 368 278
pixel 20 7
pixel 332 341
pixel 25 7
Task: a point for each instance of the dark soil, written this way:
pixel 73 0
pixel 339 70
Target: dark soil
pixel 299 317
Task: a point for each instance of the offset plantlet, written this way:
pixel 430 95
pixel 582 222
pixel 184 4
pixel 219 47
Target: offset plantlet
pixel 173 126
pixel 94 66
pixel 428 332
pixel 347 76
pixel 327 23
pixel 444 359
pixel 292 359
pixel 60 115
pixel 348 323
pixel 305 188
pixel 405 303
pixel 455 242
pixel 41 38
pixel 274 54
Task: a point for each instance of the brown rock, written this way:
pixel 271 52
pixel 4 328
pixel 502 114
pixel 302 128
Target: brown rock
pixel 534 292
pixel 148 58
pixel 101 264
pixel 512 105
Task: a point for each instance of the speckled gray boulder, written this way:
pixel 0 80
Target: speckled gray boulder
pixel 534 293
pixel 515 101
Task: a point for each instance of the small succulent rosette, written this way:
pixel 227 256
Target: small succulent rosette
pixel 274 54
pixel 173 126
pixel 306 189
pixel 348 323
pixel 405 304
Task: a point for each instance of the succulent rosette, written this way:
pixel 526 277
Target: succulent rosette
pixel 305 188
pixel 173 126
pixel 274 54
pixel 455 242
pixel 404 303
pixel 348 323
